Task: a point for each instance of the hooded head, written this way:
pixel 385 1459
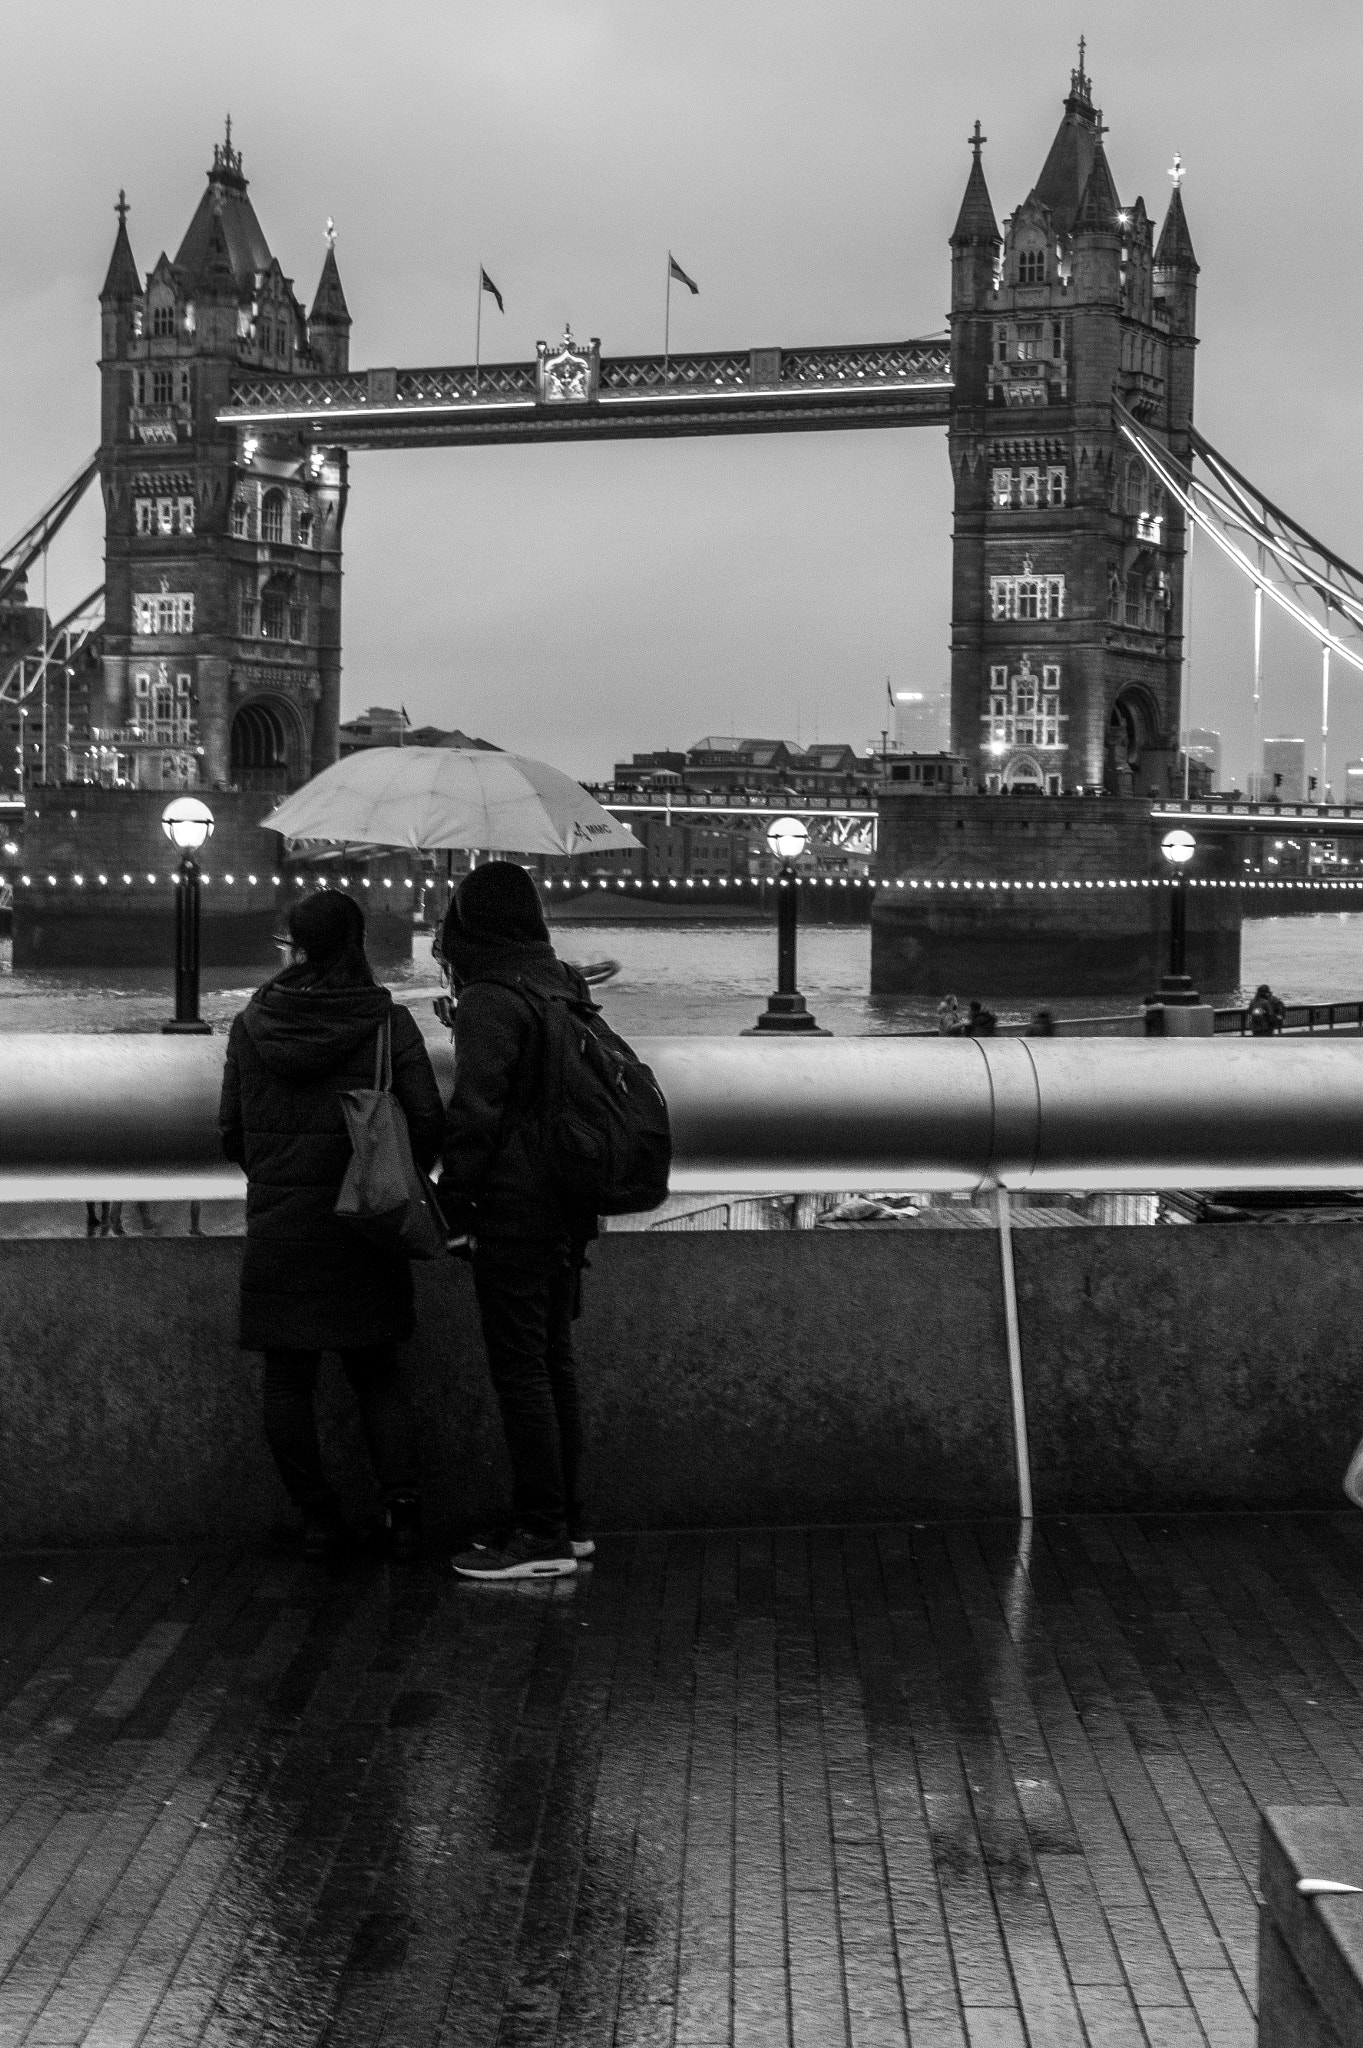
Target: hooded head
pixel 495 907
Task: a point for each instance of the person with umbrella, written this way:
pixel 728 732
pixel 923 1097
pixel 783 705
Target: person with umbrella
pixel 496 1189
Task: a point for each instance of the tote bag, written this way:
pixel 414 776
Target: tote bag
pixel 384 1196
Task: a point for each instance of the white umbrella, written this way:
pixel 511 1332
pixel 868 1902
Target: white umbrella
pixel 429 797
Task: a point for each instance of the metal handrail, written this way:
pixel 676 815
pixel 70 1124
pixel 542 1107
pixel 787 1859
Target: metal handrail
pixel 97 1117
pixel 1307 1017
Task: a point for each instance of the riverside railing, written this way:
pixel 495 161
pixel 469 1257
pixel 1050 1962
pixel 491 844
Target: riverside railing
pixel 93 1116
pixel 96 1117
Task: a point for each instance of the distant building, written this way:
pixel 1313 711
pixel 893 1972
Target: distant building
pixel 650 771
pixel 1205 746
pixel 381 726
pixel 920 721
pixel 1284 773
pixel 930 774
pixel 1353 783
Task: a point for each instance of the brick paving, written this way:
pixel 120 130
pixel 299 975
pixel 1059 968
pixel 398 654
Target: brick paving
pixel 776 1790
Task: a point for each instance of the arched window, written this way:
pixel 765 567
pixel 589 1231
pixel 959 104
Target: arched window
pixel 272 516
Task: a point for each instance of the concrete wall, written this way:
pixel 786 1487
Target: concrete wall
pixel 729 1378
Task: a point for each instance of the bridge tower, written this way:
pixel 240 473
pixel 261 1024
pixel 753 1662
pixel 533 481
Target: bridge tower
pixel 1067 565
pixel 222 663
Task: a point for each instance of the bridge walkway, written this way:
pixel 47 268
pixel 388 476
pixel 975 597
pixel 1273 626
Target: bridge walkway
pixel 860 1786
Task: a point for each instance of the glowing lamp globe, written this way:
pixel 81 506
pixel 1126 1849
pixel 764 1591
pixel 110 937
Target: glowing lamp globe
pixel 187 823
pixel 1178 846
pixel 787 838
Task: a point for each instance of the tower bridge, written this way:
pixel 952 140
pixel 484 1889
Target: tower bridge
pixel 230 412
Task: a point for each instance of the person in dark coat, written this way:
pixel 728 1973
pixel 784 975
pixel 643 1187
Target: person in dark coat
pixel 495 1185
pixel 309 1283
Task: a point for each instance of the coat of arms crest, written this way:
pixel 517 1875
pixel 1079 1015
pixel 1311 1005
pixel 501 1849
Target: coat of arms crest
pixel 568 373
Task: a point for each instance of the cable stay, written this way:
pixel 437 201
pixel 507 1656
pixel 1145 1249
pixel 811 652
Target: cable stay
pixel 24 550
pixel 1232 511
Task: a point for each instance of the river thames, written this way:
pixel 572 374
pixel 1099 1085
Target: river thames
pixel 692 979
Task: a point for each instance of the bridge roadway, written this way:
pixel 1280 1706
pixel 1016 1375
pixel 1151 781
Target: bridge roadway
pixel 748 391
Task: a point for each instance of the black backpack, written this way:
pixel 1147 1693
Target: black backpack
pixel 603 1118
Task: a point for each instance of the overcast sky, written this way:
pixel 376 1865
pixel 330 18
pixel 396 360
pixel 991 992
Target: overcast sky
pixel 805 163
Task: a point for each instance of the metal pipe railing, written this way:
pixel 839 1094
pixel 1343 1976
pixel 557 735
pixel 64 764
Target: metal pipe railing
pixel 86 1116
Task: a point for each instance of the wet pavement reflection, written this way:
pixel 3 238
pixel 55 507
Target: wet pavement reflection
pixel 926 1784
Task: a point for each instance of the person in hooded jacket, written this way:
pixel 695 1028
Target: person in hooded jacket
pixel 495 1186
pixel 309 1283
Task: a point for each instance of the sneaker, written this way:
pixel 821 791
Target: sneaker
pixel 403 1529
pixel 496 1539
pixel 523 1555
pixel 583 1546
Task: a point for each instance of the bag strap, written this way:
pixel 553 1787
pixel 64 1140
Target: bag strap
pixel 383 1057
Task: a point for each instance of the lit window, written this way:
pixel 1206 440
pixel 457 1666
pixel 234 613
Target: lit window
pixel 1029 342
pixel 1027 597
pixel 163 612
pixel 185 509
pixel 144 515
pixel 1055 486
pixel 162 321
pixel 165 515
pixel 1003 489
pixel 1031 486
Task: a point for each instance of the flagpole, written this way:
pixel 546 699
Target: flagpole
pixel 667 323
pixel 478 336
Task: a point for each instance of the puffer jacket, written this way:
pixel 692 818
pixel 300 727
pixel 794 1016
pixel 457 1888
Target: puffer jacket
pixel 494 1175
pixel 309 1281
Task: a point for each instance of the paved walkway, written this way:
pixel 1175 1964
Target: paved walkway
pixel 808 1788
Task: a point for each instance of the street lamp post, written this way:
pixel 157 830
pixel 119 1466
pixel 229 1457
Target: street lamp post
pixel 1178 848
pixel 785 1011
pixel 187 824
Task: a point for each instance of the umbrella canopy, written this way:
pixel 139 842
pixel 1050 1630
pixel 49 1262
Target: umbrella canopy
pixel 431 797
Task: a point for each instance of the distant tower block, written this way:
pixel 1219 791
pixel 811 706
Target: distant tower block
pixel 1067 591
pixel 919 723
pixel 222 552
pixel 1204 746
pixel 1353 783
pixel 1284 776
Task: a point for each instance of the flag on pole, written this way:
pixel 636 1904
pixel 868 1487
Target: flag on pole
pixel 889 693
pixel 674 269
pixel 489 286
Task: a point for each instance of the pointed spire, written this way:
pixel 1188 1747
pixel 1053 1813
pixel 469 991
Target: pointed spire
pixel 213 275
pixel 1100 205
pixel 975 221
pixel 1175 248
pixel 329 308
pixel 122 282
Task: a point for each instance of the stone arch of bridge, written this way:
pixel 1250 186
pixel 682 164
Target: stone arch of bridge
pixel 269 747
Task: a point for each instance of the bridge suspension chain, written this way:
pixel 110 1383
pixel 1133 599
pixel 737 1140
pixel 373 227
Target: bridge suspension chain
pixel 24 550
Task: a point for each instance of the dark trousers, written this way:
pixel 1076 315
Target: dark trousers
pixel 527 1297
pixel 385 1416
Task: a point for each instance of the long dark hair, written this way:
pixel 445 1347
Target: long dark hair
pixel 328 930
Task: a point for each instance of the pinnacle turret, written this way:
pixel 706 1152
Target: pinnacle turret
pixel 122 282
pixel 1175 247
pixel 1099 205
pixel 975 222
pixel 329 308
